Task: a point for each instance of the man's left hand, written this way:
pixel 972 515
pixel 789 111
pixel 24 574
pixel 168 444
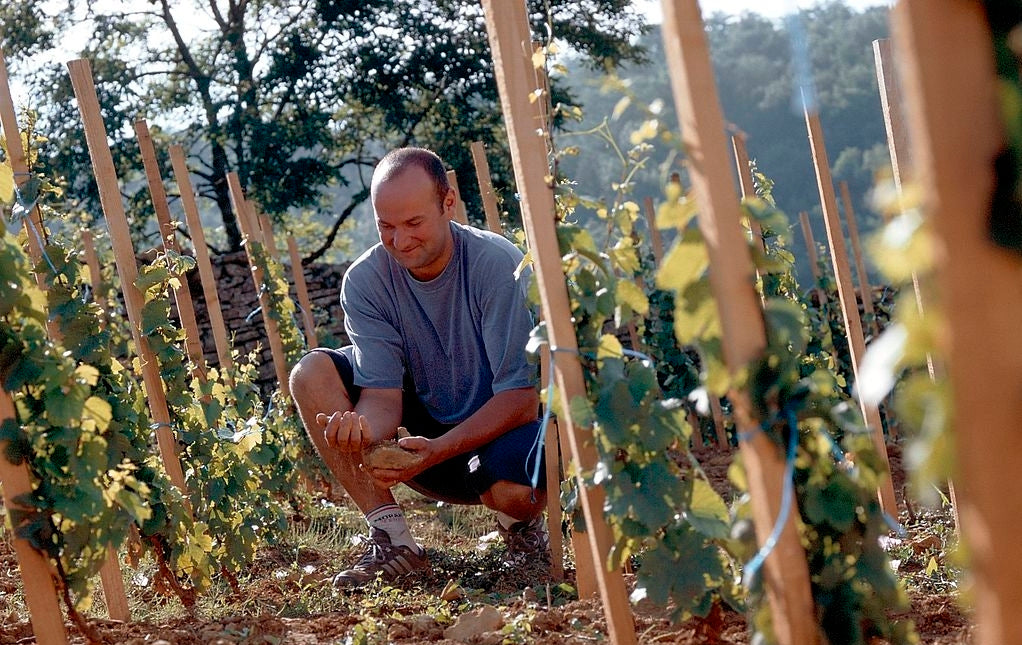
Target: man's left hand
pixel 425 450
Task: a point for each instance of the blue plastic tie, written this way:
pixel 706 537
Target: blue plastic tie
pixel 787 494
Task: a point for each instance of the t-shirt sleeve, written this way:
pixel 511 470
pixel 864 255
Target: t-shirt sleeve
pixel 506 324
pixel 373 330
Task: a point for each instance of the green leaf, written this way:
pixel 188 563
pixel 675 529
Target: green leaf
pixel 707 512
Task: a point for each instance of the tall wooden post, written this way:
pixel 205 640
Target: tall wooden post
pixel 298 271
pixel 747 184
pixel 113 584
pixel 168 236
pixel 486 186
pixel 124 256
pixel 846 296
pixel 250 229
pixel 206 275
pixel 860 263
pixel 460 215
pixel 508 29
pixel 655 238
pixel 954 112
pixel 894 117
pixel 785 572
pixel 40 592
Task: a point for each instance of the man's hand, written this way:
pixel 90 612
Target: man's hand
pixel 347 431
pixel 425 451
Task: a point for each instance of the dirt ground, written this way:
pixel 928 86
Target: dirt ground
pixel 502 608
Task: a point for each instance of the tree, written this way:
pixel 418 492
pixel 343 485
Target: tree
pixel 299 97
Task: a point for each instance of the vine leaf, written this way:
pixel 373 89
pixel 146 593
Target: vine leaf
pixel 707 512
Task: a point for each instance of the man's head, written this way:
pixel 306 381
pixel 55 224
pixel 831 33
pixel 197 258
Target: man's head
pixel 413 203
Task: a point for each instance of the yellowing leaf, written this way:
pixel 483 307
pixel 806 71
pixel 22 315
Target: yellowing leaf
pixel 931 566
pixel 99 411
pixel 620 107
pixel 675 213
pixel 707 512
pixel 6 184
pixel 610 347
pixel 683 265
pixel 87 374
pixel 539 58
pixel 629 293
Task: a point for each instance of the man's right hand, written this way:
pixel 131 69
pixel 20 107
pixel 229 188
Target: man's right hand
pixel 347 431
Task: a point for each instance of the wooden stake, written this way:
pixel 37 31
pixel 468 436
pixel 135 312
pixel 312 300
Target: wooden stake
pixel 266 229
pixel 718 422
pixel 508 29
pixel 124 256
pixel 36 575
pixel 785 572
pixel 654 233
pixel 298 271
pixel 206 275
pixel 460 216
pixel 16 157
pixel 555 518
pixel 486 187
pixel 846 296
pixel 860 265
pixel 747 184
pixel 250 229
pixel 168 235
pixel 894 118
pixel 814 259
pixel 954 108
pixel 113 589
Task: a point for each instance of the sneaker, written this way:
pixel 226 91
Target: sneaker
pixel 383 558
pixel 526 540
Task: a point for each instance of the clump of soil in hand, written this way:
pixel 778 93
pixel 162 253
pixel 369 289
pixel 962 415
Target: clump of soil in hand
pixel 389 455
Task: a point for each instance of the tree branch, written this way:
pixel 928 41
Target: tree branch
pixel 360 197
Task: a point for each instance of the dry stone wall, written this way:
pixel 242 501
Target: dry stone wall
pixel 238 301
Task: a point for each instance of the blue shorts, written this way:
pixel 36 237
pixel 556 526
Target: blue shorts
pixel 463 478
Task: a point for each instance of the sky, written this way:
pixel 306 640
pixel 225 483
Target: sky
pixel 768 8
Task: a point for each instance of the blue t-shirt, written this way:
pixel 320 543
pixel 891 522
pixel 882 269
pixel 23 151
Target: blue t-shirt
pixel 461 336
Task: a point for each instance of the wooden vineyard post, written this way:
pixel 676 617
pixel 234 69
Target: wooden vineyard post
pixel 954 112
pixel 266 231
pixel 655 238
pixel 206 275
pixel 113 583
pixel 460 215
pixel 508 30
pixel 124 257
pixel 92 261
pixel 785 572
pixel 846 296
pixel 298 271
pixel 37 578
pixel 486 186
pixel 814 259
pixel 865 288
pixel 894 118
pixel 250 229
pixel 747 184
pixel 168 235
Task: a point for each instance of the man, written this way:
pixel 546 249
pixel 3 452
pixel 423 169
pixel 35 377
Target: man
pixel 438 325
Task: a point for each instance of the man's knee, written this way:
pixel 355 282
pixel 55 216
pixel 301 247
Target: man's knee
pixel 310 371
pixel 517 500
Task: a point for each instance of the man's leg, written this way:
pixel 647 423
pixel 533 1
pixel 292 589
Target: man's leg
pixel 317 387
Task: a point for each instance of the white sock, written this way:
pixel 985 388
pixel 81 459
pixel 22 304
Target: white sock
pixel 505 520
pixel 391 518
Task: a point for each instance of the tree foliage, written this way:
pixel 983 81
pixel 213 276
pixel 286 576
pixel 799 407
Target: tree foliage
pixel 299 97
pixel 752 59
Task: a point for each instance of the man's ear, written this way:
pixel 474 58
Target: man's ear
pixel 450 201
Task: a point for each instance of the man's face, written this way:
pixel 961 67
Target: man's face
pixel 413 226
